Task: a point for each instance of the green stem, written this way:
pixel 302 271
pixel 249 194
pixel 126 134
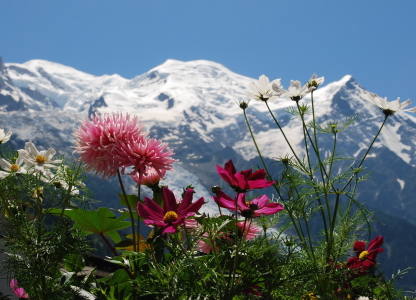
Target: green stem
pixel 130 211
pixel 366 153
pixel 284 135
pixel 267 171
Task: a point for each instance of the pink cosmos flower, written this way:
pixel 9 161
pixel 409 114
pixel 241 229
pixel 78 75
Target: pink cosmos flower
pixel 243 181
pixel 249 231
pixel 365 258
pixel 172 214
pixel 248 209
pixel 19 291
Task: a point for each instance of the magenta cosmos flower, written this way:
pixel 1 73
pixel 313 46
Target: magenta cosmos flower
pixel 19 291
pixel 172 214
pixel 248 209
pixel 113 141
pixel 365 258
pixel 243 181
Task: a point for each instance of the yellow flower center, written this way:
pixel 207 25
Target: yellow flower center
pixel 14 168
pixel 40 159
pixel 363 255
pixel 170 217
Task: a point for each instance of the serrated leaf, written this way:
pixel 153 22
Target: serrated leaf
pixel 102 221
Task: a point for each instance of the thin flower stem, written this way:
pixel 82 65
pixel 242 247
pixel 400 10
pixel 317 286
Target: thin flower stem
pixel 115 254
pixel 267 170
pixel 366 153
pixel 138 221
pixel 130 211
pixel 108 245
pixel 306 132
pixel 283 133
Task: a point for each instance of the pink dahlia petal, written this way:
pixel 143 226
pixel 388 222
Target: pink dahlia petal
pixel 99 140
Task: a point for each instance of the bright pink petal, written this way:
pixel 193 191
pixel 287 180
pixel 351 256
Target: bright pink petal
pixel 193 208
pixel 226 176
pixel 270 209
pixel 150 210
pixel 187 199
pixel 169 200
pixel 259 184
pixel 241 182
pixel 260 201
pixel 259 174
pixel 229 166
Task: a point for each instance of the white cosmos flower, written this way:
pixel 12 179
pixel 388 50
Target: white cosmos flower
pixel 314 82
pixel 388 107
pixel 4 137
pixel 263 90
pixel 296 91
pixel 40 160
pixel 11 168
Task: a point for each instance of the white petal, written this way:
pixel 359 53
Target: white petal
pixel 4 164
pixel 406 103
pixel 264 83
pixel 31 149
pixel 3 174
pixel 50 153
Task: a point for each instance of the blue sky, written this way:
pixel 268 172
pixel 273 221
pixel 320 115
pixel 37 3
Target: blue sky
pixel 372 40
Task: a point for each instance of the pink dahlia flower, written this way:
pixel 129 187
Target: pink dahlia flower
pixel 365 258
pixel 99 140
pixel 243 181
pixel 145 153
pixel 113 141
pixel 248 209
pixel 151 178
pixel 172 214
pixel 19 291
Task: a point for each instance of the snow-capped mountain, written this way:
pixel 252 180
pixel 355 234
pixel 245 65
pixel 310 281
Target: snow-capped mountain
pixel 193 106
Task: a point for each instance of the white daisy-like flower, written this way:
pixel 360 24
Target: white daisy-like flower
pixel 40 160
pixel 4 137
pixel 296 91
pixel 263 90
pixel 388 107
pixel 11 168
pixel 314 82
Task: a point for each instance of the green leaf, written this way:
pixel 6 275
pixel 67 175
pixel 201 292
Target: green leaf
pixel 131 199
pixel 102 221
pixel 74 263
